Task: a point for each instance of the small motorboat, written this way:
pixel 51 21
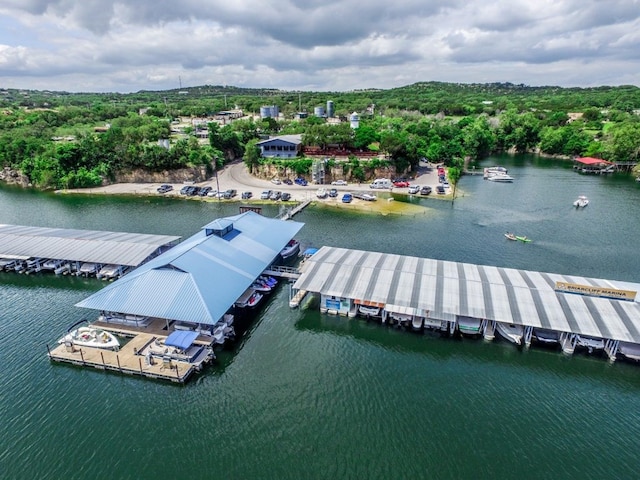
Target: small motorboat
pixel 630 351
pixel 91 337
pixel 510 332
pixel 499 177
pixel 290 249
pixel 368 311
pixel 581 202
pixel 590 343
pixel 523 238
pixel 510 236
pixel 545 336
pixel 469 325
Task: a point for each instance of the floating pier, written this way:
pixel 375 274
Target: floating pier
pixel 587 314
pixel 127 360
pixel 77 252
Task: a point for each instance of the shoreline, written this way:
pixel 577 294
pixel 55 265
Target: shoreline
pixel 236 176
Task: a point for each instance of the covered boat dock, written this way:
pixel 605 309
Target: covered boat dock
pixel 62 250
pixel 447 295
pixel 191 287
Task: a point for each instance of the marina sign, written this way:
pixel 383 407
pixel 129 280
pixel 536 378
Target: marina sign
pixel 592 291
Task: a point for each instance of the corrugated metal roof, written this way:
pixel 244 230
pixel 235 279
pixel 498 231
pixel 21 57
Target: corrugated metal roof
pixel 93 246
pixel 199 280
pixel 448 289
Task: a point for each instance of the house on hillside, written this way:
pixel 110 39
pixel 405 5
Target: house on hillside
pixel 283 146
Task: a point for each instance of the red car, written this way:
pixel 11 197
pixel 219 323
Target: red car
pixel 401 183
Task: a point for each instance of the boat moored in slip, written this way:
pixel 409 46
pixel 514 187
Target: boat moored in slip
pixel 511 332
pixel 591 344
pixel 499 177
pixel 630 351
pixel 89 336
pixel 546 337
pixel 292 248
pixel 469 326
pixel 368 311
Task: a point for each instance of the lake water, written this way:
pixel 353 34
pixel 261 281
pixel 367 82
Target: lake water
pixel 306 395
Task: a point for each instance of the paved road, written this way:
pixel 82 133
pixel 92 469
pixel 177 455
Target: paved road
pixel 236 176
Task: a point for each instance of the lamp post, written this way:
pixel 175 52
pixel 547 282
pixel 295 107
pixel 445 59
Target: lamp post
pixel 215 171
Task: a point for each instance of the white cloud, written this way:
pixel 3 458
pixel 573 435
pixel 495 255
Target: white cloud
pixel 117 45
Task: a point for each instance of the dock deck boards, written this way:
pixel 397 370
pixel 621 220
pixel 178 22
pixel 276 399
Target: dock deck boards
pixel 126 360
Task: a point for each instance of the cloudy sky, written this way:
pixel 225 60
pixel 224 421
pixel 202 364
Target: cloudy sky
pixel 322 45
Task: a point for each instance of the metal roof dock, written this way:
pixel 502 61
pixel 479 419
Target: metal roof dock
pixel 448 291
pixel 119 248
pixel 199 280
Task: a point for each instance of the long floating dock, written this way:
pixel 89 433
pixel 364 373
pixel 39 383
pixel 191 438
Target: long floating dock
pixel 34 249
pixel 426 293
pixel 126 360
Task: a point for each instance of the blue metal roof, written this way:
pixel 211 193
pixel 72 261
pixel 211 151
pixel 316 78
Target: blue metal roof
pixel 199 279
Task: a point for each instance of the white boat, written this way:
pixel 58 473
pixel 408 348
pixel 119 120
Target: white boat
pixel 52 264
pixel 110 271
pixel 368 311
pixel 581 202
pixel 403 319
pixel 499 177
pixel 7 263
pixel 496 169
pixel 88 268
pixel 590 343
pixel 91 337
pixel 469 325
pixel 290 249
pixel 630 350
pixel 179 346
pixel 259 286
pixel 510 332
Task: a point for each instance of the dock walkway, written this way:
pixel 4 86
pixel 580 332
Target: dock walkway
pixel 126 360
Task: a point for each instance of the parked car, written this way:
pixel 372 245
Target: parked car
pixel 286 196
pixel 301 181
pixel 426 190
pixel 212 193
pixel 414 189
pixel 265 195
pixel 183 190
pixel 333 193
pixel 230 194
pixel 339 182
pixel 288 181
pixel 276 181
pixel 400 183
pixel 165 188
pixel 275 195
pixel 440 190
pixel 347 197
pixel 246 195
pixel 204 191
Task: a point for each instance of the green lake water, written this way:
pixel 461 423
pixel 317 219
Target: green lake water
pixel 307 395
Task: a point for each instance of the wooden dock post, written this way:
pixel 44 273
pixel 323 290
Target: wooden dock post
pixel 119 367
pixel 102 356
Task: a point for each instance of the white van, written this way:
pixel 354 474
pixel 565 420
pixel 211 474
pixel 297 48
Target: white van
pixel 381 183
